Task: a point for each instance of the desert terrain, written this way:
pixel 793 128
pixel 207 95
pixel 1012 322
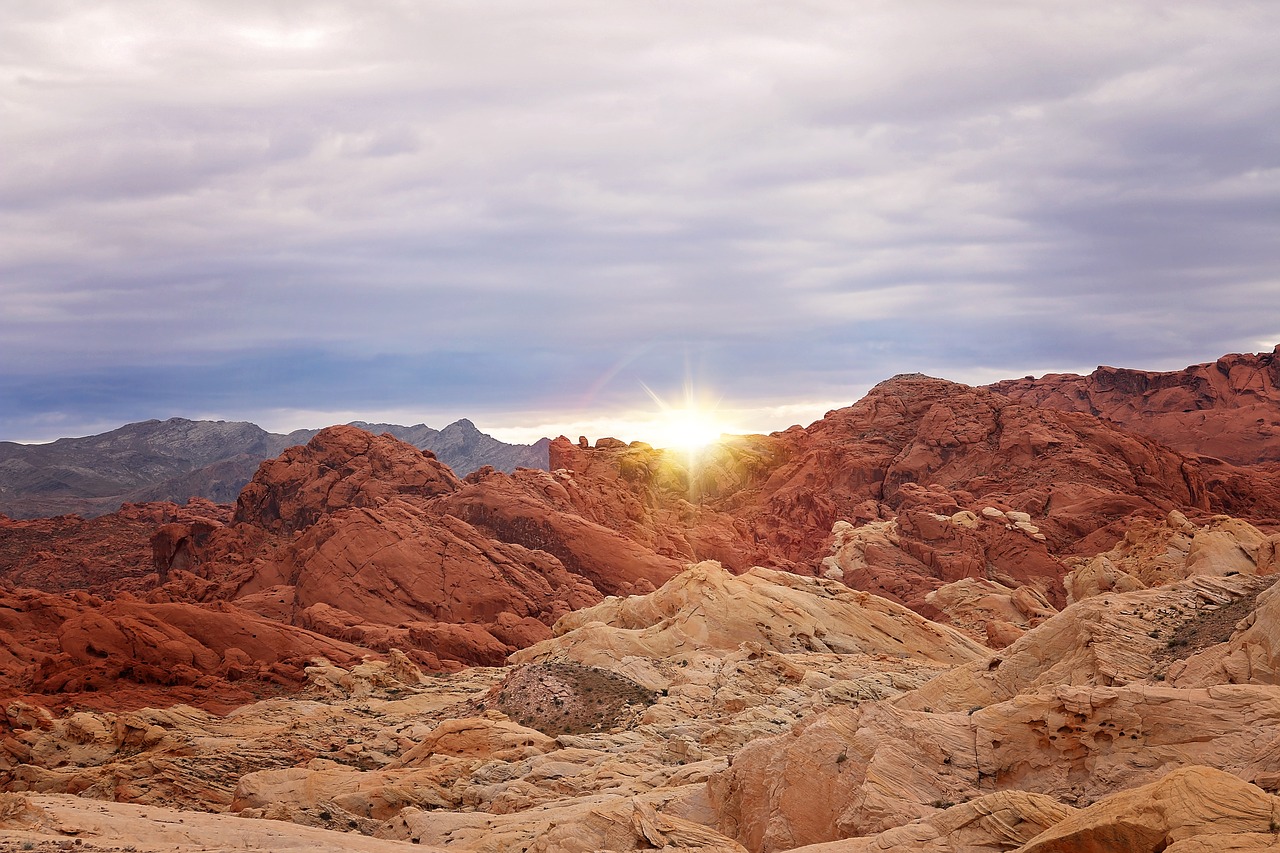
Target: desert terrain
pixel 1035 616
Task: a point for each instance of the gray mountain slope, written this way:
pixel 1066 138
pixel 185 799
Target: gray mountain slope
pixel 178 458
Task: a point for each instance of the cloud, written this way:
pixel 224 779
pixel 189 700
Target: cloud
pixel 340 206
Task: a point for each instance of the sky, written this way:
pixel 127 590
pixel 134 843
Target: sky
pixel 567 217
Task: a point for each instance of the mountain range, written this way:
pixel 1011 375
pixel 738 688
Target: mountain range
pixel 175 459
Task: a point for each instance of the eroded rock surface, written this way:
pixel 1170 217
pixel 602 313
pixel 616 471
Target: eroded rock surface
pixel 1229 408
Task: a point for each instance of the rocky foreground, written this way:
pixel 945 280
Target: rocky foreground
pixel 941 619
pixel 764 711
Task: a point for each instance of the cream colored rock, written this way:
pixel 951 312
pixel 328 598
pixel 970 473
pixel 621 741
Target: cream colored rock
pixel 1192 804
pixel 973 604
pixel 993 513
pixel 98 825
pixel 181 756
pixel 1096 576
pixel 1250 656
pixel 993 822
pixel 850 545
pixel 478 738
pixel 707 608
pixel 1111 639
pixel 363 679
pixel 326 785
pixel 1159 552
pixel 599 823
pixel 862 770
pixel 1236 842
pixel 965 518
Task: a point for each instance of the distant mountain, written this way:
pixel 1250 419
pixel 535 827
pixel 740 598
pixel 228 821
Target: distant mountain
pixel 179 458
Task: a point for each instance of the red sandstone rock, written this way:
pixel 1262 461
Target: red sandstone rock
pixel 1229 408
pixel 369 540
pixel 913 443
pixel 127 653
pixel 105 555
pixel 341 467
pixel 517 510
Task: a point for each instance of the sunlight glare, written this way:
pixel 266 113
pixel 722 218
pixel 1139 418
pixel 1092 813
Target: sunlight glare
pixel 688 428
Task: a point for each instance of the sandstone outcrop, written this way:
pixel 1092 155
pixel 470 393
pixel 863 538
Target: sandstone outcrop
pixel 126 653
pixel 49 822
pixel 1224 413
pixel 1113 639
pixel 913 449
pixel 1251 655
pixel 1229 408
pixel 706 608
pixel 103 555
pixel 1153 553
pixel 366 539
pixel 991 611
pixel 1073 744
pixel 909 557
pixel 1000 821
pixel 1195 808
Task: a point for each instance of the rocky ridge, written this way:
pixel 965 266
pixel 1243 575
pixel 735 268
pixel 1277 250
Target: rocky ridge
pixel 1229 408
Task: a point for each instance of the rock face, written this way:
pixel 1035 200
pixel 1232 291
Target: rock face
pixel 1226 412
pixel 104 555
pixel 1154 553
pixel 913 451
pixel 366 539
pixel 707 608
pixel 173 460
pixel 126 653
pixel 1189 809
pixel 1229 408
pixel 1076 744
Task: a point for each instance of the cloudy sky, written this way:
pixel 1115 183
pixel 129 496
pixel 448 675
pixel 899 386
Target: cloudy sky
pixel 528 213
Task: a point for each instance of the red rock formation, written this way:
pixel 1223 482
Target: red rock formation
pixel 1229 408
pixel 530 509
pixel 370 540
pixel 1226 413
pixel 341 467
pixel 79 648
pixel 104 555
pixel 772 500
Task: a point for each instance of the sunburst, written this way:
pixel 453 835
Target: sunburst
pixel 690 427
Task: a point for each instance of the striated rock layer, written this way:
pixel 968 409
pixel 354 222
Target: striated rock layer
pixel 1226 413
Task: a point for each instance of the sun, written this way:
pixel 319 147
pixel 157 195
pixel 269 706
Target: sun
pixel 690 428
